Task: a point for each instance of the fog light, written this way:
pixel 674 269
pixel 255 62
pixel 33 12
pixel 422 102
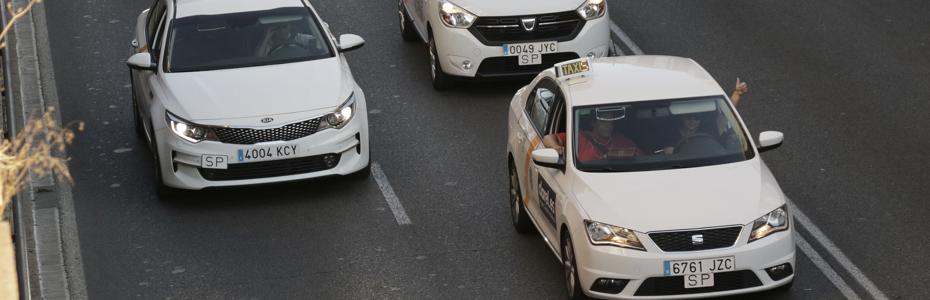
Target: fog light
pixel 780 272
pixel 330 160
pixel 609 285
pixel 466 64
pixel 591 55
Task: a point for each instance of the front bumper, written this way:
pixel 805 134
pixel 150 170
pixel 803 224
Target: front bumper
pixel 455 46
pixel 181 160
pixel 609 262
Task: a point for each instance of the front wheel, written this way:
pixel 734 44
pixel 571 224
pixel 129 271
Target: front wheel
pixel 518 216
pixel 441 80
pixel 570 270
pixel 406 25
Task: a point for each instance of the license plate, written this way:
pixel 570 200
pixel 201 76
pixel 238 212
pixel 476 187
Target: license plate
pixel 530 53
pixel 267 153
pixel 699 272
pixel 209 161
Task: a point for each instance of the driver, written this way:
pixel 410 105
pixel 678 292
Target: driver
pixel 602 142
pixel 282 36
pixel 690 123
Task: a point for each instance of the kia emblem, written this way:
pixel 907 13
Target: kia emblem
pixel 267 120
pixel 697 239
pixel 529 24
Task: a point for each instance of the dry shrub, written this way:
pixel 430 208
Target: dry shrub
pixel 37 149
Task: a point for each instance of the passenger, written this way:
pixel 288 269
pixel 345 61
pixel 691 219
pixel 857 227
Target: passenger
pixel 691 124
pixel 602 142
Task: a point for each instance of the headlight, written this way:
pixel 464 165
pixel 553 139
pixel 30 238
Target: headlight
pixel 604 234
pixel 454 16
pixel 773 222
pixel 186 130
pixel 592 9
pixel 341 116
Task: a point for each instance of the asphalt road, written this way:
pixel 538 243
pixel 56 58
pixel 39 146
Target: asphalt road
pixel 844 80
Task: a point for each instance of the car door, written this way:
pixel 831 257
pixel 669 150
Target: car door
pixel 550 183
pixel 536 122
pixel 147 40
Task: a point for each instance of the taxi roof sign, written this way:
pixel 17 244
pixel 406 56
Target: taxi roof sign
pixel 573 68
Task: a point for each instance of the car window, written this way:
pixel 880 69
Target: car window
pixel 155 49
pixel 541 102
pixel 658 134
pixel 210 42
pixel 156 15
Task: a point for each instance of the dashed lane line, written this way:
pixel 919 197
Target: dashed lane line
pixel 393 202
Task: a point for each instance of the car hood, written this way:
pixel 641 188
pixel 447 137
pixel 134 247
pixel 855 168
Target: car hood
pixel 728 194
pixel 492 8
pixel 231 96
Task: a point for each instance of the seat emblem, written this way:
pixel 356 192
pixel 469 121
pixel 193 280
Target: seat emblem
pixel 267 120
pixel 529 24
pixel 697 239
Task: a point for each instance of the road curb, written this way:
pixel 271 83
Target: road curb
pixel 52 267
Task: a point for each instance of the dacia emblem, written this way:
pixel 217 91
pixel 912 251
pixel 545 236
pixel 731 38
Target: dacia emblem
pixel 267 120
pixel 529 24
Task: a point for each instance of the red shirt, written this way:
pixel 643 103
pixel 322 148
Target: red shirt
pixel 618 145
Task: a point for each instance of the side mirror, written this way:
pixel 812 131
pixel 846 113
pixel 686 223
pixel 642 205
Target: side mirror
pixel 769 140
pixel 349 42
pixel 141 61
pixel 548 158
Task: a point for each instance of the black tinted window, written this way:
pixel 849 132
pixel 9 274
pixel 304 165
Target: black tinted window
pixel 208 42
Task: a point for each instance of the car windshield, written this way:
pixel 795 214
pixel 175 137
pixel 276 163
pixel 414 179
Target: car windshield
pixel 657 135
pixel 210 42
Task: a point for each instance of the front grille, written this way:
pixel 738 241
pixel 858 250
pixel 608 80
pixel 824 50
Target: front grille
pixel 510 66
pixel 682 240
pixel 495 31
pixel 675 285
pixel 272 168
pixel 248 136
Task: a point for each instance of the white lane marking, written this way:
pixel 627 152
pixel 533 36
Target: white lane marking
pixel 837 254
pixel 616 49
pixel 799 216
pixel 825 267
pixel 625 38
pixel 393 202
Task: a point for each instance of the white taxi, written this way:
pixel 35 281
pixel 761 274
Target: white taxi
pixel 489 38
pixel 240 92
pixel 641 178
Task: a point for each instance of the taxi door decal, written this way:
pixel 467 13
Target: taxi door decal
pixel 526 166
pixel 547 200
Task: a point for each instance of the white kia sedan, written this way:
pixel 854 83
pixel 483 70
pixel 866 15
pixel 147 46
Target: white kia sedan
pixel 486 38
pixel 240 92
pixel 642 179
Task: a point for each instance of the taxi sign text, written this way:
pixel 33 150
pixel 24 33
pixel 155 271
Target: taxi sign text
pixel 572 68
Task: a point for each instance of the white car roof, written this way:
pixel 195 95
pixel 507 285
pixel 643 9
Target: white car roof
pixel 638 78
pixel 186 8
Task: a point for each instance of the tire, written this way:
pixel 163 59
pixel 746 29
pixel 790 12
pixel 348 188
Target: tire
pixel 518 216
pixel 136 119
pixel 570 270
pixel 407 31
pixel 441 80
pixel 164 192
pixel 785 288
